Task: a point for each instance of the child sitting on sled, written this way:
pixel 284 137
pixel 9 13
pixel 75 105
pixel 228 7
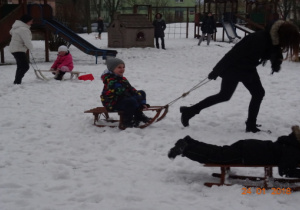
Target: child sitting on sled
pixel 119 95
pixel 63 62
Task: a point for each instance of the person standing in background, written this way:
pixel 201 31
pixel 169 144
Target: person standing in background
pixel 21 42
pixel 159 28
pixel 208 27
pixel 100 27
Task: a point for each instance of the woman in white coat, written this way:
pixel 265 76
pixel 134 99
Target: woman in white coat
pixel 20 43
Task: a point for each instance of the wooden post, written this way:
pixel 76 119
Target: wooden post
pixel 46 45
pixel 24 6
pixel 150 13
pixel 187 23
pixel 2 55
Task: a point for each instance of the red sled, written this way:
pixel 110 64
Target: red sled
pixel 86 77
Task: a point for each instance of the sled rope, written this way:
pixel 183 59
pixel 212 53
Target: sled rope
pixel 201 83
pixel 35 67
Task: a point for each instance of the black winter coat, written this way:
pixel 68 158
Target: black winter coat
pixel 208 25
pixel 241 61
pixel 285 153
pixel 100 25
pixel 159 27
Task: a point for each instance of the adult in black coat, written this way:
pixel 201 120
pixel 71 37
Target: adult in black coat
pixel 159 28
pixel 239 65
pixel 208 27
pixel 285 152
pixel 100 27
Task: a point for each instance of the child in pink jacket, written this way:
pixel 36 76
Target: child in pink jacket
pixel 63 62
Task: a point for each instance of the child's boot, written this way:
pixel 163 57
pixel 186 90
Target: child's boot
pixel 127 121
pixel 60 75
pixel 139 116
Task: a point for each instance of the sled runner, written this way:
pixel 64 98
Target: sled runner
pixel 263 182
pixel 39 74
pixel 161 112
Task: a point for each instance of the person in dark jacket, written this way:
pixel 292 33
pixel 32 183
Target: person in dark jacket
pixel 239 65
pixel 159 28
pixel 285 152
pixel 100 27
pixel 208 27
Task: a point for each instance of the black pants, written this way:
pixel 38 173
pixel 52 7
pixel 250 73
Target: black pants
pixel 22 66
pixel 228 86
pixel 208 153
pixel 162 42
pixel 131 104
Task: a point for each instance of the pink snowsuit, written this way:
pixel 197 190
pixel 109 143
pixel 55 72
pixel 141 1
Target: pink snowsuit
pixel 64 63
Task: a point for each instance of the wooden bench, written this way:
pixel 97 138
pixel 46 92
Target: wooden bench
pixel 39 74
pixel 267 180
pixel 99 112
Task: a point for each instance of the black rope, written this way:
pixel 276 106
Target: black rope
pixel 201 83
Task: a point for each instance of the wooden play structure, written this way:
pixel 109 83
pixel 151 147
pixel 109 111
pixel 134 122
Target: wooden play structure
pixel 130 30
pixel 44 23
pixel 257 14
pixel 267 181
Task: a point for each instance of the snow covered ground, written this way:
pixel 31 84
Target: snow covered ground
pixel 53 158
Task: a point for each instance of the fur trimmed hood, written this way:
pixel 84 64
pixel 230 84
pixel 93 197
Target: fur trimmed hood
pixel 274 32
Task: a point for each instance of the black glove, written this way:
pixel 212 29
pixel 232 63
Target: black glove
pixel 275 68
pixel 212 75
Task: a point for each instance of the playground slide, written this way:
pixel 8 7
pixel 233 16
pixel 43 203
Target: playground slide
pixel 230 30
pixel 76 40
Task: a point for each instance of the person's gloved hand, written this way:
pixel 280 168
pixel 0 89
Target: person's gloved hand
pixel 212 75
pixel 275 68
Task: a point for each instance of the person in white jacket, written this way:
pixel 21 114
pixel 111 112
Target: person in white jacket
pixel 20 43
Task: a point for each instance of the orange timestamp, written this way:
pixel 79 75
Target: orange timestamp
pixel 262 191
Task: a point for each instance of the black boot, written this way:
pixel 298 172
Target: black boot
pixel 139 116
pixel 251 126
pixel 127 121
pixel 186 114
pixel 178 149
pixel 60 75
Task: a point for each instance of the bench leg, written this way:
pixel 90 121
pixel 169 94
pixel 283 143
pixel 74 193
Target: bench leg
pixel 96 118
pixel 268 176
pixel 121 121
pixel 222 176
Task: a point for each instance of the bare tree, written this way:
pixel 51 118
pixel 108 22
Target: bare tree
pixel 96 5
pixel 284 7
pixel 112 6
pixel 133 2
pixel 296 8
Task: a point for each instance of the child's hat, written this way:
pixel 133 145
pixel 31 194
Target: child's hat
pixel 62 48
pixel 112 63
